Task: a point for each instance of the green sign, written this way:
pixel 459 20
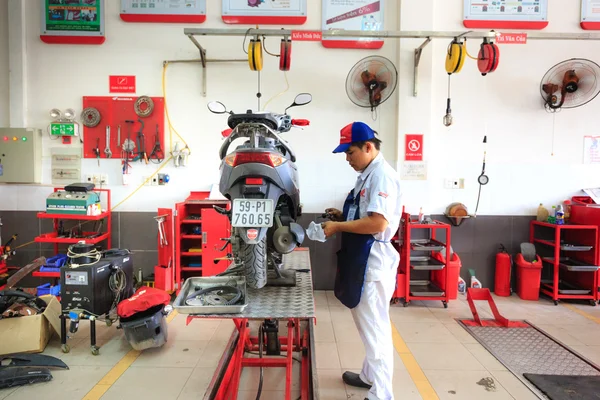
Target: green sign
pixel 62 129
pixel 73 16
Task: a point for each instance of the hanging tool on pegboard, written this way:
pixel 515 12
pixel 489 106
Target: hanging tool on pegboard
pixel 141 144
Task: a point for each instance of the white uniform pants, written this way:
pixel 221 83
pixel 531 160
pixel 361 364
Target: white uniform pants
pixel 372 319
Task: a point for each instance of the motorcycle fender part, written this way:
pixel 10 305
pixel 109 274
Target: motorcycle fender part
pixel 11 377
pixel 31 360
pixel 298 232
pixel 252 235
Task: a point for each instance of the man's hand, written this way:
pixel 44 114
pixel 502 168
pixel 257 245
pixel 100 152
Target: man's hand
pixel 330 228
pixel 335 214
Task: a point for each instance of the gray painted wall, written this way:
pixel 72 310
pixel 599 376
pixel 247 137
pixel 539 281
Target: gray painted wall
pixel 476 242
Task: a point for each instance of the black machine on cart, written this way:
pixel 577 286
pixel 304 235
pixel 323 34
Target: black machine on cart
pixel 93 283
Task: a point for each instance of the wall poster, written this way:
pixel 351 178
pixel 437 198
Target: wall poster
pixel 73 21
pixel 186 11
pixel 590 14
pixel 290 12
pixel 506 14
pixel 353 15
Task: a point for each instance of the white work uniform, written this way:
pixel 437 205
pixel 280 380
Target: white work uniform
pixel 379 193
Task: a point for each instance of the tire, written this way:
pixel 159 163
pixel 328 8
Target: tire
pixel 254 258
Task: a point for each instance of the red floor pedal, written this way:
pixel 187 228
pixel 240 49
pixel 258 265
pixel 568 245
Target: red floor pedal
pixel 498 321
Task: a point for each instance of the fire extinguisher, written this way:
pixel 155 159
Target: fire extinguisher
pixel 503 268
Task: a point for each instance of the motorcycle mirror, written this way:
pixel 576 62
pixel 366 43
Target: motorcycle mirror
pixel 217 107
pixel 301 100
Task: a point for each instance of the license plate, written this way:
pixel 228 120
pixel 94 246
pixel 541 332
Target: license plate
pixel 252 213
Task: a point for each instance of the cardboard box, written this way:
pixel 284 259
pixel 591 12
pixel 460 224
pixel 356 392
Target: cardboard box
pixel 30 334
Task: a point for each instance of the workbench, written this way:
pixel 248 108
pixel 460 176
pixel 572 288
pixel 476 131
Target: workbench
pixel 294 305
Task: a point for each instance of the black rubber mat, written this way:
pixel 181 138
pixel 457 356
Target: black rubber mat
pixel 567 387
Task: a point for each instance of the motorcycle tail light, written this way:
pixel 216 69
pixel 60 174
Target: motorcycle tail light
pixel 276 160
pixel 254 181
pixel 230 160
pixel 257 157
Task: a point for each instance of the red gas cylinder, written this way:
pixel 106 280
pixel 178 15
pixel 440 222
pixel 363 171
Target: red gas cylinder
pixel 503 267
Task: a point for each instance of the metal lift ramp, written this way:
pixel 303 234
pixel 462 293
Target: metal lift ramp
pixel 550 369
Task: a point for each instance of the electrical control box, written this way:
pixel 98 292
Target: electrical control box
pixel 20 155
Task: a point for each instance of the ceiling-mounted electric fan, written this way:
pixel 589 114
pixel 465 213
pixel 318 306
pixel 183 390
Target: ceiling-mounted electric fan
pixel 570 83
pixel 371 81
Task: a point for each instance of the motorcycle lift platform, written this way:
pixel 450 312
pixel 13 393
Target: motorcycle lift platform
pixel 292 305
pixel 550 369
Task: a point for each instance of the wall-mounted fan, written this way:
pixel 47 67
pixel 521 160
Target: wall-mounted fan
pixel 371 81
pixel 570 83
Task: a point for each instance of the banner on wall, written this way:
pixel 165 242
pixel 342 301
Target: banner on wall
pixel 353 15
pixel 590 14
pixel 591 149
pixel 290 12
pixel 506 14
pixel 186 11
pixel 73 21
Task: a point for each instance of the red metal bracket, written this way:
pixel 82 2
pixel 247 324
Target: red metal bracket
pixel 498 321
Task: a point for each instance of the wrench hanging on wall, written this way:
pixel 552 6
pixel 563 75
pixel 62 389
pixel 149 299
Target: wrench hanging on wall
pixel 107 148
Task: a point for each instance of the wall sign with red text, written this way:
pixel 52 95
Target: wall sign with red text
pixel 352 15
pixel 413 149
pixel 181 11
pixel 290 12
pixel 506 14
pixel 511 38
pixel 121 84
pixel 309 36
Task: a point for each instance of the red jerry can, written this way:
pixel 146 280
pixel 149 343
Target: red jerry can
pixel 503 267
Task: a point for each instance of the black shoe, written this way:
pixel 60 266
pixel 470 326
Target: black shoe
pixel 353 379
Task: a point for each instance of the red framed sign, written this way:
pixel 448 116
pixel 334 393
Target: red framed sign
pixel 413 147
pixel 72 21
pixel 177 11
pixel 277 12
pixel 506 14
pixel 590 14
pixel 354 15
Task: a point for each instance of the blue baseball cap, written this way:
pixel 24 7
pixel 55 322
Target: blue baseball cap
pixel 353 133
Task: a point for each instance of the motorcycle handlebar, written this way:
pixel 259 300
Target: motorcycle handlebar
pixel 300 122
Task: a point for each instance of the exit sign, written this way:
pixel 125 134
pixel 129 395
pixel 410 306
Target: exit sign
pixel 62 129
pixel 121 84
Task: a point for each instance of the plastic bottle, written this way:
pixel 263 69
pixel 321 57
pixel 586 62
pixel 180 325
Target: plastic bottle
pixel 567 210
pixel 462 285
pixel 560 215
pixel 475 283
pixel 542 213
pixel 553 212
pixel 421 216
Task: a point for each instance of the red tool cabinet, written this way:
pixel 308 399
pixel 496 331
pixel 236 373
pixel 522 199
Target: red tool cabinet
pixel 194 242
pixel 421 276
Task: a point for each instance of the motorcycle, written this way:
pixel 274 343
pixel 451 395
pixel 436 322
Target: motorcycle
pixel 260 179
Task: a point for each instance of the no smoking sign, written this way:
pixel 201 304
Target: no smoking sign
pixel 413 149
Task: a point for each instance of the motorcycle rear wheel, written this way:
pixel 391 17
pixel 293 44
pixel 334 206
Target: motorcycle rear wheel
pixel 254 259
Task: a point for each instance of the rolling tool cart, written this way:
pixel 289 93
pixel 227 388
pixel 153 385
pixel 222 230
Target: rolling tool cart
pixel 570 257
pixel 93 284
pixel 426 276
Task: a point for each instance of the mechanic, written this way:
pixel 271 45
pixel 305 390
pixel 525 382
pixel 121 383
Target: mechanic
pixel 367 262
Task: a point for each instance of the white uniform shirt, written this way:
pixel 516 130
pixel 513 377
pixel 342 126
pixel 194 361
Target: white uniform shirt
pixel 380 194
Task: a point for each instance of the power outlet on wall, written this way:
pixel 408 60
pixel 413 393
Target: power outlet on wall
pixel 454 183
pixel 104 179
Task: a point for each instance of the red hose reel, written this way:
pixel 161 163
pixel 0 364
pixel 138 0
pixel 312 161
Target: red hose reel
pixel 488 57
pixel 285 54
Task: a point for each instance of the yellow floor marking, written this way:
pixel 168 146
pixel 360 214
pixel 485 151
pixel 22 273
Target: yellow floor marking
pixel 582 313
pixel 416 373
pixel 119 369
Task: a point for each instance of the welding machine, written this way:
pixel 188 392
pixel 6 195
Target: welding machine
pixel 77 198
pixel 94 281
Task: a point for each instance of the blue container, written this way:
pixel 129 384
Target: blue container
pixel 46 288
